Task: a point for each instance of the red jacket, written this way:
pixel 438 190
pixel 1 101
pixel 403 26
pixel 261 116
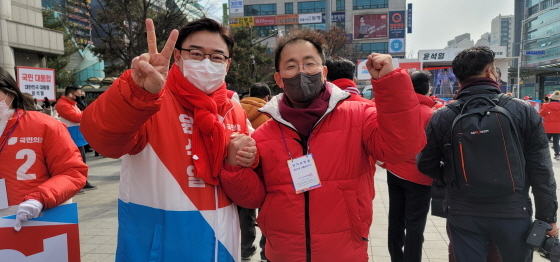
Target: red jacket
pixel 330 223
pixel 350 87
pixel 408 170
pixel 68 111
pixel 551 115
pixel 40 161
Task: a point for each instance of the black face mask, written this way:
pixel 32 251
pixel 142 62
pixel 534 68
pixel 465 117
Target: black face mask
pixel 78 98
pixel 303 88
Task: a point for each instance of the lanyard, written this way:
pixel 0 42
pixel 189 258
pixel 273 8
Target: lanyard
pixel 10 133
pixel 286 145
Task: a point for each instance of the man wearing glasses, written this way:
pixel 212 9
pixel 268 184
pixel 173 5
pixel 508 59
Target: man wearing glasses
pixel 314 181
pixel 171 128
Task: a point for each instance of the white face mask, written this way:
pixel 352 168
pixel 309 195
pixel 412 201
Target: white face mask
pixel 205 75
pixel 5 114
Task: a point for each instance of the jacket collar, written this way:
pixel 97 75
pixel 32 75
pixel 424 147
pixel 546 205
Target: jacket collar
pixel 271 108
pixel 68 100
pixel 475 90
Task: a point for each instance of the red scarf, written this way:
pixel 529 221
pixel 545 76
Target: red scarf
pixel 209 137
pixel 303 119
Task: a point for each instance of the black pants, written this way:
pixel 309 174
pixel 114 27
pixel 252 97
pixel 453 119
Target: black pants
pixel 247 221
pixel 555 143
pixel 83 152
pixel 470 235
pixel 408 209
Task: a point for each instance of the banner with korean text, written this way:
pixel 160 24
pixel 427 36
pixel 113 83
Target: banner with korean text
pixel 39 82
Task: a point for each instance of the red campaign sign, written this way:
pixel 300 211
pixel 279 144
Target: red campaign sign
pixel 410 67
pixel 53 236
pixel 265 20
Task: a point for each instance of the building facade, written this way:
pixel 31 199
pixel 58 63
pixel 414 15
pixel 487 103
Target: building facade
pixel 501 31
pixel 370 25
pixel 23 39
pixel 538 47
pixel 460 41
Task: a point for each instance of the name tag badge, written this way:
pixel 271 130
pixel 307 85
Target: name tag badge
pixel 3 194
pixel 304 173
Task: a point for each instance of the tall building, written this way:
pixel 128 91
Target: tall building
pixel 484 40
pixel 23 39
pixel 538 45
pixel 370 25
pixel 460 41
pixel 502 32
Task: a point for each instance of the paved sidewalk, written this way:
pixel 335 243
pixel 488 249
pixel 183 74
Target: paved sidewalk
pixel 98 218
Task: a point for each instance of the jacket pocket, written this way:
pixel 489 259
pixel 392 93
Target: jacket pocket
pixel 155 251
pixel 353 211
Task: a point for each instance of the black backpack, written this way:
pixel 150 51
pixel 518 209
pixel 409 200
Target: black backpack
pixel 486 153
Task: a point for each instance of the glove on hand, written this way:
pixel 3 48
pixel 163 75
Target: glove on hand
pixel 27 210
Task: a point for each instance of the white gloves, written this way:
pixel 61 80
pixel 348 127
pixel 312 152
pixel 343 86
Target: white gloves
pixel 27 210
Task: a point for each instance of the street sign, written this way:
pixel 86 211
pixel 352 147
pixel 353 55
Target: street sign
pixel 535 52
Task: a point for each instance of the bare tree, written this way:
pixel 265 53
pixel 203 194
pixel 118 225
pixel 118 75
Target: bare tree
pixel 120 26
pixel 339 44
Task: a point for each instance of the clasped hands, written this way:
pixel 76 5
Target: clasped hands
pixel 241 150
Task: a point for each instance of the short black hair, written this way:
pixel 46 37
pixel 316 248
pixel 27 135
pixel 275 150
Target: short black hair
pixel 260 90
pixel 9 86
pixel 297 35
pixel 340 68
pixel 421 81
pixel 472 62
pixel 206 24
pixel 71 88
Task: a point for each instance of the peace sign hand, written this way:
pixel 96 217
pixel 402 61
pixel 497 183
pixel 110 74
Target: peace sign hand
pixel 149 70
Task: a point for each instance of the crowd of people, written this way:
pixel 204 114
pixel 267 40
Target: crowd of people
pixel 200 169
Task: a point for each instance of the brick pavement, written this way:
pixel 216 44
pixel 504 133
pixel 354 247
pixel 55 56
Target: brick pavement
pixel 98 218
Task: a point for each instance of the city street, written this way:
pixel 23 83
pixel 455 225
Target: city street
pixel 98 218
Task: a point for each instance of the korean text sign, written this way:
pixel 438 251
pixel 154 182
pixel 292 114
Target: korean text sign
pixel 39 82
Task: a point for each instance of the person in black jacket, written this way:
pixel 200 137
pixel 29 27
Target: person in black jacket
pixel 472 221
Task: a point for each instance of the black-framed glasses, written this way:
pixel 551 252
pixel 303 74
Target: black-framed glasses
pixel 197 54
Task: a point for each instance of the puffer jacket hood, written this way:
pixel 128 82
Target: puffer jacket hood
pixel 251 106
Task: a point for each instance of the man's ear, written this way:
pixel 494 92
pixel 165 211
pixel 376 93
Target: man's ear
pixel 355 80
pixel 278 80
pixel 177 56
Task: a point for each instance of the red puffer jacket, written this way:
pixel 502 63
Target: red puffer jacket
pixel 551 116
pixel 330 223
pixel 408 170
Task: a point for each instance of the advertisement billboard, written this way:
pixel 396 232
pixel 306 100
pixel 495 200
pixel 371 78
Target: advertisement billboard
pixel 363 73
pixel 265 20
pixel 396 45
pixel 409 19
pixel 245 21
pixel 39 82
pixel 287 19
pixel 236 6
pixel 396 24
pixel 315 18
pixel 444 82
pixel 370 26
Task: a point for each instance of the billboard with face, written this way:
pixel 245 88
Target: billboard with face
pixel 370 26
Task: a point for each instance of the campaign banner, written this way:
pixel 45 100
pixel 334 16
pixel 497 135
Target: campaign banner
pixel 370 26
pixel 39 82
pixel 236 6
pixel 287 19
pixel 265 20
pixel 53 236
pixel 409 19
pixel 315 18
pixel 410 67
pixel 396 24
pixel 363 73
pixel 396 45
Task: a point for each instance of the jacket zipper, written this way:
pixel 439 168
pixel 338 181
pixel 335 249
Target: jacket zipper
pixel 306 197
pixel 463 159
